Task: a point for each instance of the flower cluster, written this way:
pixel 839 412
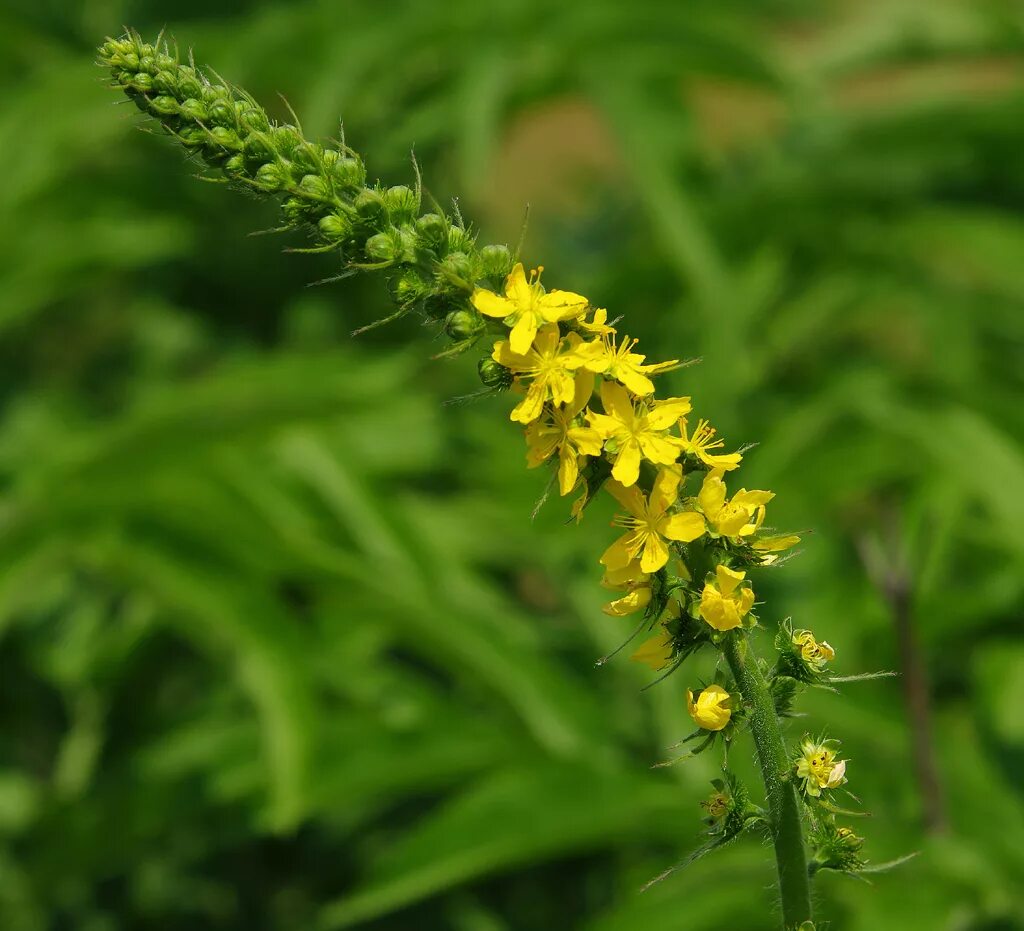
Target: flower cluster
pixel 586 399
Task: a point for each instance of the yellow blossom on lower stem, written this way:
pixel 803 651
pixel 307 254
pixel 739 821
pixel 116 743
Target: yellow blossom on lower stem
pixel 815 653
pixel 818 767
pixel 557 431
pixel 656 651
pixel 632 433
pixel 648 524
pixel 636 584
pixel 547 369
pixel 726 601
pixel 711 710
pixel 616 360
pixel 702 441
pixel 741 516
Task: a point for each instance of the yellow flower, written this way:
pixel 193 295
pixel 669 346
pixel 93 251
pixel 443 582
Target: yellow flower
pixel 634 433
pixel 775 544
pixel 597 324
pixel 740 517
pixel 724 603
pixel 815 654
pixel 701 444
pixel 617 360
pixel 648 524
pixel 547 368
pixel 526 307
pixel 818 767
pixel 557 430
pixel 716 805
pixel 635 582
pixel 655 652
pixel 711 710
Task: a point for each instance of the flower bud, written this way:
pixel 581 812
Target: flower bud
pixel 166 82
pixel 142 82
pixel 192 136
pixel 235 165
pixel 308 158
pixel 459 240
pixel 226 138
pixel 259 147
pixel 315 186
pixel 384 247
pixel 194 109
pixel 147 63
pixel 496 262
pixel 370 206
pixel 432 229
pixel 252 116
pixel 494 374
pixel 402 203
pixel 348 172
pixel 271 177
pixel 222 112
pixel 456 269
pixel 408 288
pixel 164 105
pixel 335 227
pixel 463 324
pixel 188 84
pixel 286 140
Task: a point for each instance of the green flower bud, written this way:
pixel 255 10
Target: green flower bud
pixel 409 288
pixel 271 177
pixel 193 136
pixel 166 82
pixel 235 165
pixel 496 262
pixel 402 203
pixel 459 240
pixel 463 324
pixel 259 148
pixel 384 247
pixel 456 269
pixel 226 138
pixel 222 112
pixel 142 82
pixel 188 84
pixel 164 105
pixel 370 206
pixel 308 158
pixel 335 227
pixel 147 63
pixel 193 109
pixel 494 374
pixel 251 116
pixel 315 186
pixel 129 60
pixel 433 230
pixel 286 140
pixel 348 172
pixel 296 210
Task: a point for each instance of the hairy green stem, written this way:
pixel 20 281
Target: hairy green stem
pixel 783 806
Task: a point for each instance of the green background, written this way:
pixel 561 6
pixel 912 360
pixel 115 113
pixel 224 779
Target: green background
pixel 280 647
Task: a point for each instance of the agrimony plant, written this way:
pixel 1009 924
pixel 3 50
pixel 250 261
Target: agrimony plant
pixel 585 397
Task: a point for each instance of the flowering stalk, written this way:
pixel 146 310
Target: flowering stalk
pixel 586 400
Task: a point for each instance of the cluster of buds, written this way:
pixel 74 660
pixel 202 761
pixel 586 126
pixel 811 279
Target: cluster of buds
pixel 586 401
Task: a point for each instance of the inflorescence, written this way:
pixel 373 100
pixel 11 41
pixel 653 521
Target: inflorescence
pixel 585 398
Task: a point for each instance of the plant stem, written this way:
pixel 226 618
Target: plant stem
pixel 783 807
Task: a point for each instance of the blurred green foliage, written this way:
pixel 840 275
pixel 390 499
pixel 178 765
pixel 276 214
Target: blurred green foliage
pixel 280 647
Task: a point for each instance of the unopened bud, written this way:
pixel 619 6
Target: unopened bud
pixel 402 203
pixel 494 374
pixel 432 229
pixel 270 177
pixel 194 109
pixel 463 324
pixel 335 227
pixel 496 261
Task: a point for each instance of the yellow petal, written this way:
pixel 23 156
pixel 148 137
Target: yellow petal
pixel 655 652
pixel 521 337
pixel 582 392
pixel 658 449
pixel 568 470
pixel 617 556
pixel 712 494
pixel 586 439
pixel 627 464
pixel 639 384
pixel 684 527
pixel 666 488
pixel 532 406
pixel 775 544
pixel 728 579
pixel 616 403
pixel 627 575
pixel 559 305
pixel 632 498
pixel 667 412
pixel 655 553
pixel 491 304
pixel 635 601
pixel 518 288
